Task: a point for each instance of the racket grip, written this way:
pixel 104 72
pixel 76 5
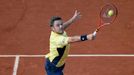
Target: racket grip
pixel 94 33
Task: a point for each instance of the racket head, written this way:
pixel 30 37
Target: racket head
pixel 104 17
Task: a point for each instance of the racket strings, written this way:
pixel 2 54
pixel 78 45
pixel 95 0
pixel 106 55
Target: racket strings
pixel 104 13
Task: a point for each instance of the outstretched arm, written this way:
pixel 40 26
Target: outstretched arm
pixel 91 36
pixel 82 37
pixel 71 20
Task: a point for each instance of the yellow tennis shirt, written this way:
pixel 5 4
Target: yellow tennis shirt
pixel 59 48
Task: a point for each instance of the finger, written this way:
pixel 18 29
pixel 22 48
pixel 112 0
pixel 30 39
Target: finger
pixel 76 11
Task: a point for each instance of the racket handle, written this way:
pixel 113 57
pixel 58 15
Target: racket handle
pixel 94 33
pixel 101 26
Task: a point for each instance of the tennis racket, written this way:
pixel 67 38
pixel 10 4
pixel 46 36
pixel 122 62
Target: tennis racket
pixel 105 19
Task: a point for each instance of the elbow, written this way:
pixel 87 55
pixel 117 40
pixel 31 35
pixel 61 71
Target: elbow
pixel 73 39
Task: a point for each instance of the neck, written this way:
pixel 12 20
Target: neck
pixel 58 33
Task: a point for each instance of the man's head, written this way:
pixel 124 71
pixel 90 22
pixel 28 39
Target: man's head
pixel 56 24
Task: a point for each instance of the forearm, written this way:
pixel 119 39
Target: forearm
pixel 69 22
pixel 74 39
pixel 81 38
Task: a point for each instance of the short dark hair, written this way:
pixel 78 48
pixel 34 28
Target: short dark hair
pixel 54 18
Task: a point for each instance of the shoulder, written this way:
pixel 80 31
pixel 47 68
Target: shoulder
pixel 59 39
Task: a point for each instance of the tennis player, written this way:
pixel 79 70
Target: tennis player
pixel 60 43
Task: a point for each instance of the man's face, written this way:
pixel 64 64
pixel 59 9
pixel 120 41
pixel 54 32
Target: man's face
pixel 57 26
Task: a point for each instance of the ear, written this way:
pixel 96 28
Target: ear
pixel 52 28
